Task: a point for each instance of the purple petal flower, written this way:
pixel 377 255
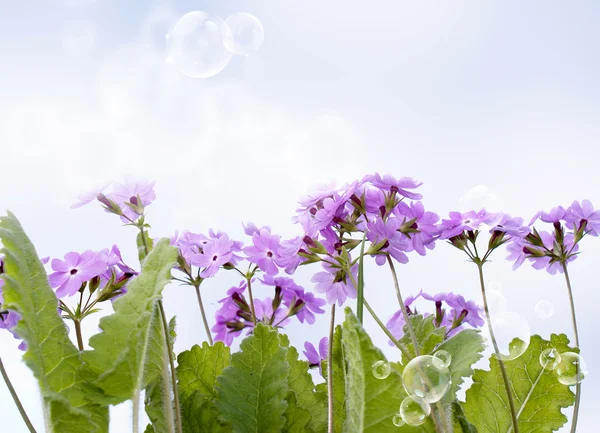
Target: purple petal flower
pixel 337 289
pixel 516 252
pixel 265 251
pixel 214 254
pixel 74 270
pixel 460 222
pixel 425 222
pixel 511 226
pixel 584 212
pixel 127 193
pixel 313 357
pixel 251 228
pixel 397 243
pixel 86 197
pixel 400 186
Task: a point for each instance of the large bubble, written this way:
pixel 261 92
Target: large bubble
pixel 571 369
pixel 512 334
pixel 243 34
pixel 544 309
pixel 414 410
pixel 426 377
pixel 195 45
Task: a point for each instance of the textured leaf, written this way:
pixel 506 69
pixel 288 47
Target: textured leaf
pixel 461 425
pixel 121 352
pixel 339 381
pixel 200 415
pixel 428 335
pixel 301 383
pixel 539 396
pixel 55 361
pixel 465 349
pixel 296 417
pixel 371 403
pixel 252 390
pixel 144 244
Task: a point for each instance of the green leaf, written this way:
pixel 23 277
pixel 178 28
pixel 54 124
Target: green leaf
pixel 461 425
pixel 197 372
pixel 371 403
pixel 252 390
pixel 339 381
pixel 296 417
pixel 428 335
pixel 539 396
pixel 144 243
pixel 54 360
pixel 121 352
pixel 301 384
pixel 466 349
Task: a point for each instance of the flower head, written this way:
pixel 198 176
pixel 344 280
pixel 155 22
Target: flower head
pixel 75 270
pixel 336 285
pixel 265 251
pixel 579 214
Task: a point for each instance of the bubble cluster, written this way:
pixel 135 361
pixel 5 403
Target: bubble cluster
pixel 544 309
pixel 550 358
pixel 381 369
pixel 481 197
pixel 512 334
pixel 243 34
pixel 427 378
pixel 397 420
pixel 414 411
pixel 444 357
pixel 571 369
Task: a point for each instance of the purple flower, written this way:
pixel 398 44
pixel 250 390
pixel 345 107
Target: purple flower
pixel 227 315
pixel 584 213
pixel 516 252
pixel 400 186
pixel 75 270
pixel 312 305
pixel 265 314
pixel 251 228
pixel 425 223
pixel 460 222
pixel 215 254
pixel 336 285
pixel 292 292
pixel 313 357
pixel 289 257
pixel 127 193
pixel 556 214
pixel 265 251
pixel 396 244
pixel 86 197
pixel 511 226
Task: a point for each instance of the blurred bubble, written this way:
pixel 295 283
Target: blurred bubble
pixel 444 357
pixel 426 377
pixel 550 358
pixel 381 369
pixel 414 411
pixel 481 197
pixel 397 420
pixel 243 34
pixel 512 334
pixel 544 309
pixel 571 369
pixel 195 45
pixel 496 302
pixel 495 286
pixel 78 38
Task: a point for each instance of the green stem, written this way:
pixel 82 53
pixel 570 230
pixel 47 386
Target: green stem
pixel 361 281
pixel 574 320
pixel 251 300
pixel 15 397
pixel 78 333
pixel 411 331
pixel 206 327
pixel 387 332
pixel 511 403
pixel 330 372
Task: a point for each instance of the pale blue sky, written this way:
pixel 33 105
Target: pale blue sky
pixel 455 94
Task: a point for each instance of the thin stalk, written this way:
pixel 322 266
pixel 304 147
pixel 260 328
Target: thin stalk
pixel 172 365
pixel 78 333
pixel 251 301
pixel 330 372
pixel 387 332
pixel 201 305
pixel 360 289
pixel 511 403
pixel 574 320
pixel 411 331
pixel 15 397
pixel 168 409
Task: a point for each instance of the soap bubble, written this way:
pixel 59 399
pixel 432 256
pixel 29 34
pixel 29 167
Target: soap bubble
pixel 571 369
pixel 496 302
pixel 426 377
pixel 512 334
pixel 550 358
pixel 544 309
pixel 414 411
pixel 195 45
pixel 480 197
pixel 243 34
pixel 444 357
pixel 397 420
pixel 381 369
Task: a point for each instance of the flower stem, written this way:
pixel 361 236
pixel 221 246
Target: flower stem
pixel 15 397
pixel 78 333
pixel 387 332
pixel 411 331
pixel 206 327
pixel 172 365
pixel 574 320
pixel 511 403
pixel 251 300
pixel 330 372
pixel 361 281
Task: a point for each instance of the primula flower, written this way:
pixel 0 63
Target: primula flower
pixel 312 356
pixel 215 253
pixel 425 224
pixel 460 222
pixel 265 251
pixel 86 197
pixel 556 214
pixel 128 192
pixel 584 212
pixel 291 293
pixel 400 186
pixel 511 226
pixel 265 314
pixel 75 270
pixel 396 244
pixel 335 284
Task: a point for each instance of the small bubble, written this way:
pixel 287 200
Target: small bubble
pixel 414 411
pixel 243 34
pixel 550 358
pixel 544 309
pixel 512 334
pixel 444 357
pixel 381 369
pixel 426 377
pixel 571 369
pixel 397 420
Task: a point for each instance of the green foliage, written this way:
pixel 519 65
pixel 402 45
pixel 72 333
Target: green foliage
pixel 125 354
pixel 296 417
pixel 144 244
pixel 538 395
pixel 199 415
pixel 428 336
pixel 252 390
pixel 339 381
pixel 56 363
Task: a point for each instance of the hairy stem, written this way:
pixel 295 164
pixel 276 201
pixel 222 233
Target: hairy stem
pixel 574 320
pixel 201 305
pixel 361 281
pixel 411 331
pixel 387 332
pixel 511 403
pixel 15 397
pixel 251 300
pixel 330 372
pixel 78 333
